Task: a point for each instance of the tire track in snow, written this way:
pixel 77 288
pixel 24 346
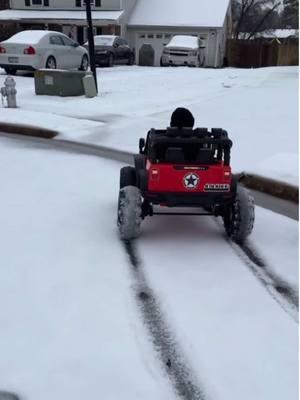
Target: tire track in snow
pixel 281 291
pixel 182 377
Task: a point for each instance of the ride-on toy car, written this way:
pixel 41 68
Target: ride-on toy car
pixel 184 168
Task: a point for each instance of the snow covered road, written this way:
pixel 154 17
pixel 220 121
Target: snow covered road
pixel 70 323
pixel 232 331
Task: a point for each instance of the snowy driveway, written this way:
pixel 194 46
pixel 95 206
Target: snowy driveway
pixel 70 325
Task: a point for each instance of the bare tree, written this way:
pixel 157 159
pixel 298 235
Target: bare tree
pixel 290 15
pixel 251 15
pixel 4 4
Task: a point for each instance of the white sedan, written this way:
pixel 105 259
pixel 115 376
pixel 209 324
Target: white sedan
pixel 31 50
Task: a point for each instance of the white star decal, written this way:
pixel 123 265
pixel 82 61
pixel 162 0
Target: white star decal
pixel 191 181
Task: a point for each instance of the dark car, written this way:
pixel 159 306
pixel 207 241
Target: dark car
pixel 110 50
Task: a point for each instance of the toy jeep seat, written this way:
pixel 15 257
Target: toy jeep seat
pixel 174 155
pixel 182 132
pixel 206 156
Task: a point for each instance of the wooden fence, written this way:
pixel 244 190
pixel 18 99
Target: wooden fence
pixel 262 52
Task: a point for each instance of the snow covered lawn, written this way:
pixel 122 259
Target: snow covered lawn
pixel 258 107
pixel 70 328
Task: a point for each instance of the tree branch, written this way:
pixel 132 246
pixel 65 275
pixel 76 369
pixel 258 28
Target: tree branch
pixel 261 22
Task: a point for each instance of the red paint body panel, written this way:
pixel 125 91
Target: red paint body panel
pixel 173 178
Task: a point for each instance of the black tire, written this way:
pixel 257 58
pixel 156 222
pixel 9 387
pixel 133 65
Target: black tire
pixel 162 64
pixel 110 61
pixel 129 212
pixel 131 60
pixel 51 63
pixel 127 177
pixel 239 217
pixel 10 71
pixel 84 63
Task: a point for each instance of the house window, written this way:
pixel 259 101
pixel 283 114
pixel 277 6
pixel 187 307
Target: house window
pixel 167 36
pixel 151 36
pixel 29 3
pixel 142 36
pixel 80 3
pixel 159 36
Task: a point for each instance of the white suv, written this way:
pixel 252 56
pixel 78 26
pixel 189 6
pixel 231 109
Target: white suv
pixel 183 50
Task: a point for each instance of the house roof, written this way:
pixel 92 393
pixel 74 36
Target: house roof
pixel 187 13
pixel 17 15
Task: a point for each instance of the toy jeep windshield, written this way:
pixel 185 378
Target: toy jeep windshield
pixel 184 168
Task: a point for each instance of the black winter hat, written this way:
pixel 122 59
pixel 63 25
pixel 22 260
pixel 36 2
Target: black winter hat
pixel 182 118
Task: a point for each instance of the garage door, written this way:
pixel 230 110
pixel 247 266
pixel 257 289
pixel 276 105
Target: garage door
pixel 157 41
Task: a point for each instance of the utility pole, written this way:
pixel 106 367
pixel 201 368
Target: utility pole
pixel 91 40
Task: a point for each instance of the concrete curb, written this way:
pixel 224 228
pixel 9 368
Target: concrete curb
pixel 270 186
pixel 262 184
pixel 27 130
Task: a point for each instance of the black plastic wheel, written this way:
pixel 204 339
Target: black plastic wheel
pixel 239 217
pixel 129 212
pixel 127 177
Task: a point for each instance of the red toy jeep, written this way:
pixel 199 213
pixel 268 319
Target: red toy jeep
pixel 184 168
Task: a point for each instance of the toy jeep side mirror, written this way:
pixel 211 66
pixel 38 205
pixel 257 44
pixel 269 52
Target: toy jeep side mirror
pixel 141 145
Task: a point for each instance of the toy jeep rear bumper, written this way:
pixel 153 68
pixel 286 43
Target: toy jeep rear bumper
pixel 185 199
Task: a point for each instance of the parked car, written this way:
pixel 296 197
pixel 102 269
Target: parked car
pixel 111 49
pixel 31 50
pixel 184 50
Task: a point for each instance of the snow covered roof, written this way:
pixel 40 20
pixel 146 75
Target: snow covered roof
pixel 196 13
pixel 190 42
pixel 16 15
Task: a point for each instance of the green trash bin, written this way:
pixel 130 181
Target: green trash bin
pixel 146 55
pixel 55 82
